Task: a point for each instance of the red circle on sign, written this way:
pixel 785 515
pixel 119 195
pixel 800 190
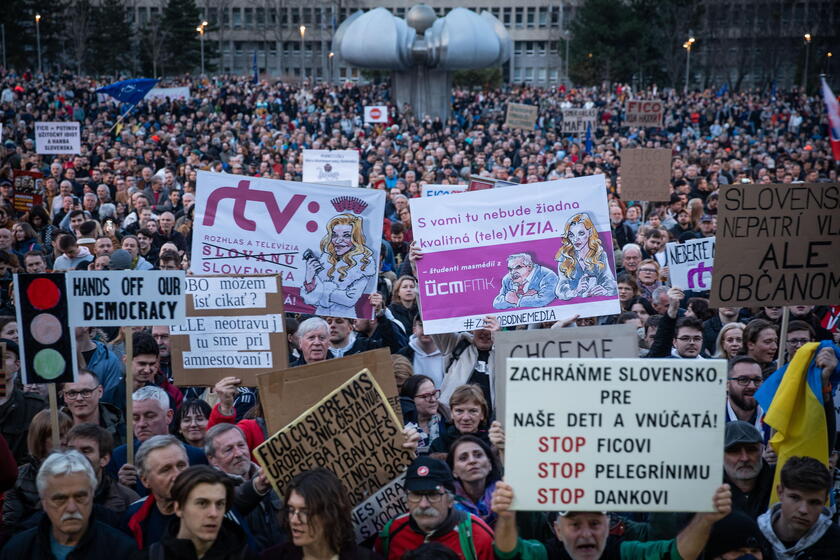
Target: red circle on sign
pixel 423 471
pixel 43 293
pixel 375 113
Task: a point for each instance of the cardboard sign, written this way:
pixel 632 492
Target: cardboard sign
pixel 575 121
pixel 441 190
pixel 126 298
pixel 779 245
pixel 324 241
pixel 352 431
pixel 508 252
pixel 233 326
pixel 691 263
pixel 643 112
pixel 28 189
pixel 376 113
pixel 46 340
pixel 373 514
pixel 289 392
pixel 608 341
pixel 521 116
pixel 645 174
pixel 331 167
pixel 170 92
pixel 58 138
pixel 614 435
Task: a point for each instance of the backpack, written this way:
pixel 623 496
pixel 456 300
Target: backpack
pixel 464 537
pixel 456 353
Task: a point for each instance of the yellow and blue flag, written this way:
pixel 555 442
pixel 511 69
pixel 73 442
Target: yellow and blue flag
pixel 793 399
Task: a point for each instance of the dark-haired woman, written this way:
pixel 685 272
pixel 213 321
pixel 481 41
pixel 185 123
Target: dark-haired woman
pixel 430 418
pixel 318 519
pixel 476 472
pixel 191 422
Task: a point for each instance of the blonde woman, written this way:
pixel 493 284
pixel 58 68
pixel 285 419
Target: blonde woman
pixel 582 266
pixel 729 340
pixel 346 269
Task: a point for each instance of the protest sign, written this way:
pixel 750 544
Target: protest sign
pixel 607 341
pixel 643 112
pixel 233 326
pixel 125 298
pixel 331 167
pixel 170 92
pixel 47 344
pixel 595 435
pixel 691 263
pixel 376 113
pixel 28 189
pixel 352 431
pixel 373 514
pixel 645 174
pixel 779 245
pixel 57 138
pixel 325 237
pixel 575 121
pixel 478 183
pixel 525 254
pixel 287 393
pixel 440 190
pixel 521 116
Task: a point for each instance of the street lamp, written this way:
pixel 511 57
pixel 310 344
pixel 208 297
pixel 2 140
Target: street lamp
pixel 38 39
pixel 332 54
pixel 302 67
pixel 687 46
pixel 201 31
pixel 807 38
pixel 828 56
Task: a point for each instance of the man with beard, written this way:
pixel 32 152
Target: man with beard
pixel 750 477
pixel 743 381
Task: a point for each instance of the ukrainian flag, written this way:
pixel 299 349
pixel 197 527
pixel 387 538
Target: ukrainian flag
pixel 793 399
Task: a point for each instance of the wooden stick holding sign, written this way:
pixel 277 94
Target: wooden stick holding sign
pixel 783 336
pixel 56 432
pixel 128 335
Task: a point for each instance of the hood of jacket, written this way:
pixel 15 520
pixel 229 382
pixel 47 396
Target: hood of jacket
pixel 815 533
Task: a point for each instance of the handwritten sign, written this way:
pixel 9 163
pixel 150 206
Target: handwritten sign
pixel 352 431
pixel 331 167
pixel 691 263
pixel 57 138
pixel 646 174
pixel 373 514
pixel 575 121
pixel 521 116
pixel 594 435
pixel 510 253
pixel 779 245
pixel 642 112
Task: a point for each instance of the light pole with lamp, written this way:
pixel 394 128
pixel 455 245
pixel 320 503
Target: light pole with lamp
pixel 201 31
pixel 687 46
pixel 807 38
pixel 302 66
pixel 828 56
pixel 38 39
pixel 331 62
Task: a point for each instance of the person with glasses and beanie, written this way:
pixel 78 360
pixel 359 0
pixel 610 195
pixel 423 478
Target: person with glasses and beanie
pixel 433 517
pixel 677 338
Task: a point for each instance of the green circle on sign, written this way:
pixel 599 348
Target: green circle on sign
pixel 49 364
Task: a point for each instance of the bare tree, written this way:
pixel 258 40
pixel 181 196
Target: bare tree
pixel 80 21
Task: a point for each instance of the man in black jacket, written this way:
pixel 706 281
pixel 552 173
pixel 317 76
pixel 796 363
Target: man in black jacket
pixel 66 485
pixel 16 408
pixel 746 472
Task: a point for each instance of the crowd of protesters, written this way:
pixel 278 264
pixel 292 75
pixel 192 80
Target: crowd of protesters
pixel 193 490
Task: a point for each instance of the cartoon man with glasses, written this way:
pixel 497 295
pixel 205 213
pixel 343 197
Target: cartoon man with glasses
pixel 526 284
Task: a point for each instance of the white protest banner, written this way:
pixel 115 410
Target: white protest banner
pixel 575 121
pixel 170 92
pixel 373 514
pixel 331 167
pixel 643 112
pixel 125 298
pixel 529 254
pixel 376 113
pixel 440 190
pixel 233 326
pixel 58 138
pixel 614 434
pixel 691 263
pixel 352 431
pixel 324 241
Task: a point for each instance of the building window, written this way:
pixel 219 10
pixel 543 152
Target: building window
pixel 249 18
pixel 237 18
pixel 529 74
pixel 542 17
pixel 517 74
pixel 506 16
pixel 529 47
pixel 517 47
pixel 531 17
pixel 543 74
pixel 518 18
pixel 260 17
pixel 555 75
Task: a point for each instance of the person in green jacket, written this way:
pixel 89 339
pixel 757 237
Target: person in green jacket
pixel 584 534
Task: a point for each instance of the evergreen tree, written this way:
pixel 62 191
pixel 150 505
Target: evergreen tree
pixel 180 39
pixel 112 39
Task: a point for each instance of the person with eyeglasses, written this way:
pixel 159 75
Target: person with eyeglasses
pixel 743 380
pixel 66 485
pixel 82 401
pixel 798 335
pixel 318 518
pixel 428 415
pixel 677 338
pixel 433 517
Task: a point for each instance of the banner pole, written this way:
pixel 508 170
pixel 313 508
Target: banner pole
pixel 783 335
pixel 56 433
pixel 129 389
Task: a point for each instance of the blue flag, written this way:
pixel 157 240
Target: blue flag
pixel 129 91
pixel 723 89
pixel 588 138
pixel 256 70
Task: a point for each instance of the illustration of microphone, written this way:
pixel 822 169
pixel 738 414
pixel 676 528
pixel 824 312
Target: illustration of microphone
pixel 308 255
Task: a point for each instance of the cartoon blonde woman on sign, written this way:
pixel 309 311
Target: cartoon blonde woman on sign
pixel 335 281
pixel 582 266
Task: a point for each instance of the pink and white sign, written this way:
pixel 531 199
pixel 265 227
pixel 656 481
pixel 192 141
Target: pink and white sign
pixel 376 113
pixel 527 254
pixel 324 241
